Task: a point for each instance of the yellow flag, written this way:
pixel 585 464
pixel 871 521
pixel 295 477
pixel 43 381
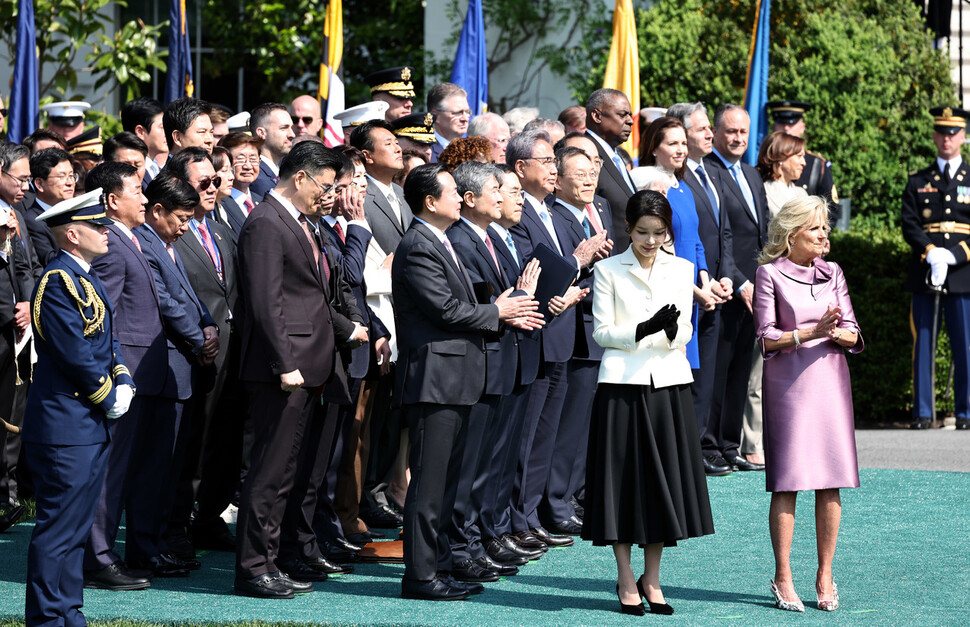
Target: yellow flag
pixel 623 66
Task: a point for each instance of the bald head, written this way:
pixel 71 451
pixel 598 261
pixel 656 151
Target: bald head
pixel 305 111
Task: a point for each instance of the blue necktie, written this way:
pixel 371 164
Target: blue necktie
pixel 623 172
pixel 587 227
pixel 511 244
pixel 745 190
pixel 547 220
pixel 705 183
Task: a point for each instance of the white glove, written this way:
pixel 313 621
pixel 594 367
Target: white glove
pixel 123 396
pixel 938 271
pixel 940 256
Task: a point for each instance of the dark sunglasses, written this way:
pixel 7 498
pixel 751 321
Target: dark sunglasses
pixel 215 180
pixel 3 112
pixel 307 120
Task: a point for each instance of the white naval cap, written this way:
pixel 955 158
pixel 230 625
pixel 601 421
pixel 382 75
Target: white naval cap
pixel 84 208
pixel 355 116
pixel 239 122
pixel 66 109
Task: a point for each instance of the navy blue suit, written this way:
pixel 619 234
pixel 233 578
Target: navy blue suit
pixel 137 324
pixel 161 443
pixel 548 394
pixel 40 234
pixel 235 217
pixel 264 183
pixel 78 370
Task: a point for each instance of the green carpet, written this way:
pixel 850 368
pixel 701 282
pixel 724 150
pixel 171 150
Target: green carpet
pixel 903 559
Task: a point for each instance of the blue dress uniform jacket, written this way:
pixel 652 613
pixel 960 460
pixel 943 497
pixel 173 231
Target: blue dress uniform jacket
pixel 79 360
pixel 936 213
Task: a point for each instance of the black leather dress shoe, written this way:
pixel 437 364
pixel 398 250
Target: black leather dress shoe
pixel 434 590
pixel 302 572
pixel 217 538
pixel 527 540
pixel 502 570
pixel 921 423
pixel 500 553
pixel 580 510
pixel 716 466
pixel 382 517
pixel 11 517
pixel 743 464
pixel 263 587
pixel 343 543
pixel 114 577
pixel 566 527
pixel 179 545
pixel 471 587
pixel 297 586
pixel 160 566
pixel 337 555
pixel 551 540
pixel 360 539
pixel 469 571
pixel 187 564
pixel 963 424
pixel 323 565
pixel 510 544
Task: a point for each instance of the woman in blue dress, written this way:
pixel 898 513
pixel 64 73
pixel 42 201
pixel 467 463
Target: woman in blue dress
pixel 664 145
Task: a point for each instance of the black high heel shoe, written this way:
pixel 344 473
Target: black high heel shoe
pixel 632 610
pixel 655 608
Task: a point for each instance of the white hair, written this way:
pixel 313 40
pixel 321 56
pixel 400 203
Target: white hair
pixel 518 117
pixel 651 177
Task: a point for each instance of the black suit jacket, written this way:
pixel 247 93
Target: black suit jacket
pixel 16 280
pixel 40 234
pixel 288 323
pixel 265 183
pixel 384 224
pixel 749 236
pixel 234 220
pixel 715 232
pixel 613 187
pixel 441 350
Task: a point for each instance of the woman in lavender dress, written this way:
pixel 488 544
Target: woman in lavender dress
pixel 804 320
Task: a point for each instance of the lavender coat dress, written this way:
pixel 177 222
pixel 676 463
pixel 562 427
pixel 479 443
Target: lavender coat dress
pixel 809 431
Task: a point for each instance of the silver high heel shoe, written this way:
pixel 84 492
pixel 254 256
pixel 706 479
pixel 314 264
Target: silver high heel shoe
pixel 827 605
pixel 782 604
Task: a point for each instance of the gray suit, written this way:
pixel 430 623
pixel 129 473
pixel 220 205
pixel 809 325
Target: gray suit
pixel 384 224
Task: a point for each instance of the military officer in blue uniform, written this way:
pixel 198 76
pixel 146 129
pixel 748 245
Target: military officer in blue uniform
pixel 936 224
pixel 80 382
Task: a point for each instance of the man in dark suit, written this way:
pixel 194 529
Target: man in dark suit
pixel 214 449
pixel 482 202
pixel 80 383
pixel 441 374
pixel 271 123
pixel 193 342
pixel 288 347
pixel 741 193
pixel 244 150
pixel 130 286
pixel 530 155
pixel 449 104
pixel 609 123
pixel 388 215
pixel 714 229
pixel 53 178
pixel 580 220
pixel 143 117
pixel 186 122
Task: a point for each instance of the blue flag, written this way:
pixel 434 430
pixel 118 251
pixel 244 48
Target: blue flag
pixel 25 95
pixel 756 87
pixel 470 70
pixel 179 80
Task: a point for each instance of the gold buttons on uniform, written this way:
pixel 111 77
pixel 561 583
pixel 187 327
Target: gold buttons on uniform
pixel 946 236
pixel 947 198
pixel 947 211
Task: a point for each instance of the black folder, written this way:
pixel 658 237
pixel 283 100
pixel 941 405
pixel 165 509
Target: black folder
pixel 558 273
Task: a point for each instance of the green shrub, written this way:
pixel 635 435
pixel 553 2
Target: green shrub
pixel 874 257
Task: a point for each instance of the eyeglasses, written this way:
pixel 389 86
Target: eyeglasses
pixel 210 180
pixel 542 160
pixel 580 175
pixel 326 189
pixel 253 161
pixel 306 119
pixel 459 113
pixel 63 177
pixel 23 180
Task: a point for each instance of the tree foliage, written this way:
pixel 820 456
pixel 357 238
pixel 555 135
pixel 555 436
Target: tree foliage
pixel 280 43
pixel 64 27
pixel 867 65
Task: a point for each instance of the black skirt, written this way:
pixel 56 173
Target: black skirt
pixel 645 480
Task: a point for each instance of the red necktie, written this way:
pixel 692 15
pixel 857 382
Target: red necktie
pixel 171 253
pixel 491 251
pixel 249 204
pixel 311 237
pixel 340 231
pixel 210 249
pixel 594 218
pixel 138 244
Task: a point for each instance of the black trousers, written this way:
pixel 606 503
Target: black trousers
pixel 496 517
pixel 735 344
pixel 279 421
pixel 437 446
pixel 708 327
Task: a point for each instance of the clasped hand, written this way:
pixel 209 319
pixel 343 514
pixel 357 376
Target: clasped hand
pixel 521 312
pixel 828 324
pixel 665 319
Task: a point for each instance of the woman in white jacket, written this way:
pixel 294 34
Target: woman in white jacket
pixel 645 481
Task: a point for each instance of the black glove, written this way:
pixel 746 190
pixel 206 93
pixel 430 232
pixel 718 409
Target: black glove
pixel 658 322
pixel 671 327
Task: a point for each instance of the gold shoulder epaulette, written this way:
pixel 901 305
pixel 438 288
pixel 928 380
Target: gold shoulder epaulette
pixel 91 325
